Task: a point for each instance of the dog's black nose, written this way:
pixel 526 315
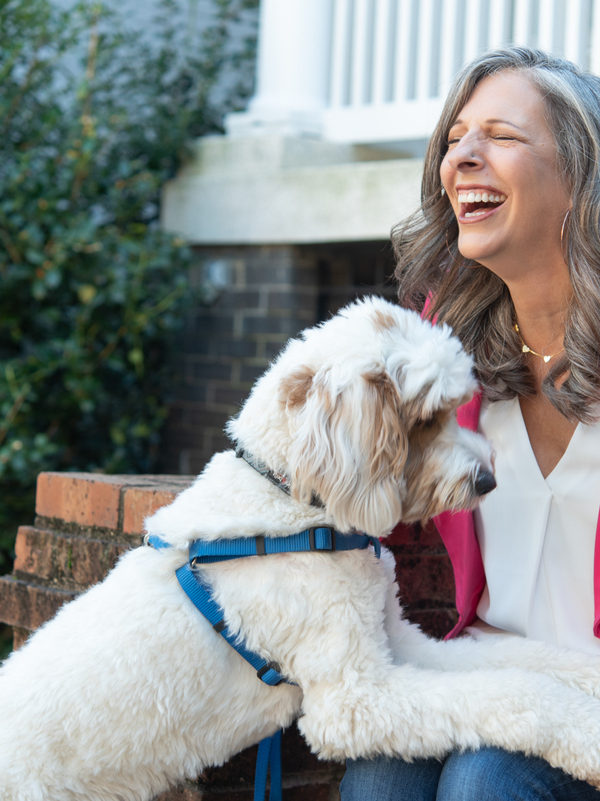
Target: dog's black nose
pixel 484 482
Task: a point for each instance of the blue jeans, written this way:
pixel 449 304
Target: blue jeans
pixel 488 774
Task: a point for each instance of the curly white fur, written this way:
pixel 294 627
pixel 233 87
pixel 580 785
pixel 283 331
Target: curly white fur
pixel 128 689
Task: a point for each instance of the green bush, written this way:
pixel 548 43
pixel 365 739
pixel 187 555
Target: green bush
pixel 93 120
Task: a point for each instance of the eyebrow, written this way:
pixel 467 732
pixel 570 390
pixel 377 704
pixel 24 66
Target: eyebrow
pixel 491 121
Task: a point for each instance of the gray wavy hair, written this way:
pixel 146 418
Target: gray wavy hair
pixel 476 303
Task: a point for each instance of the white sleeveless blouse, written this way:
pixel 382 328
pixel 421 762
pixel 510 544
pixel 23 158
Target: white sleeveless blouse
pixel 537 534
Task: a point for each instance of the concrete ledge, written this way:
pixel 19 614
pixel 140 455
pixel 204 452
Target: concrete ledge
pixel 276 190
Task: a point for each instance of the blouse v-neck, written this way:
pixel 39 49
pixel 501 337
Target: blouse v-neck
pixel 548 453
pixel 537 534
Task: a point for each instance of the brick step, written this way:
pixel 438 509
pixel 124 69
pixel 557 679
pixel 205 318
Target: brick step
pixel 84 521
pixel 73 560
pixel 26 605
pixel 118 503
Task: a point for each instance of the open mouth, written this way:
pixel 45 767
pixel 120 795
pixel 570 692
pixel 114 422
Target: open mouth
pixel 475 203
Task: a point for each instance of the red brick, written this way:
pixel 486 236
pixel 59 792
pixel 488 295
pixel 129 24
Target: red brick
pixel 29 605
pixel 30 554
pixel 63 558
pixel 435 622
pixel 88 499
pixel 19 637
pixel 92 559
pixel 426 578
pixel 140 502
pixel 97 501
pixel 415 538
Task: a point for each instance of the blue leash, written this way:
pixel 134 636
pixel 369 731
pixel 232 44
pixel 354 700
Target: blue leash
pixel 268 759
pixel 316 539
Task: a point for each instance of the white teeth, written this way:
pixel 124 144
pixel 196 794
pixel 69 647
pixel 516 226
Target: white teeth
pixel 478 197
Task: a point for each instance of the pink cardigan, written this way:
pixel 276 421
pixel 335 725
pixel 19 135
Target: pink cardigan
pixel 457 531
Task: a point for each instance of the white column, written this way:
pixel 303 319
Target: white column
pixel 293 65
pixel 576 33
pixel 402 47
pixel 594 65
pixel 424 48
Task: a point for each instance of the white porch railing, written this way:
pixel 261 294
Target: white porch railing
pixel 376 71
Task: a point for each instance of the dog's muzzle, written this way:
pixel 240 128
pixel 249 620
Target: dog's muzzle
pixel 484 482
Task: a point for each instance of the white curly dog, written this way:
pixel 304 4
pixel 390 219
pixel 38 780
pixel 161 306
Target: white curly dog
pixel 130 689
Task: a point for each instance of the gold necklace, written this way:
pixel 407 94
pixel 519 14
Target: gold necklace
pixel 526 349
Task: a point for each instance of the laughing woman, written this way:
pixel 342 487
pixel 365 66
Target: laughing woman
pixel 506 249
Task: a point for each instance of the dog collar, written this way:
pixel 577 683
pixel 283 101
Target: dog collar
pixel 278 479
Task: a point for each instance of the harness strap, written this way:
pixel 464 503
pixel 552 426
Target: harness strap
pixel 317 538
pixel 200 595
pixel 320 538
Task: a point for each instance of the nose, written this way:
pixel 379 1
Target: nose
pixel 484 482
pixel 465 155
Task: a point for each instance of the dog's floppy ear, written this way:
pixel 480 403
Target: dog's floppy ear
pixel 295 387
pixel 349 448
pixel 387 444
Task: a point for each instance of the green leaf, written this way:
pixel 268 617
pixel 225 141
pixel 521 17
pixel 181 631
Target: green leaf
pixel 94 119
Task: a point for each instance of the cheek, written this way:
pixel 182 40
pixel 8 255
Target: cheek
pixel 445 173
pixel 446 177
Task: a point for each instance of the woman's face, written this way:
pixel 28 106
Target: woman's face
pixel 501 176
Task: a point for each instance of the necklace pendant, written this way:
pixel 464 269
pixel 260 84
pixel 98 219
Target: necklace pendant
pixel 525 349
pixel 546 358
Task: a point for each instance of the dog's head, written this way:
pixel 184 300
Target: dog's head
pixel 360 412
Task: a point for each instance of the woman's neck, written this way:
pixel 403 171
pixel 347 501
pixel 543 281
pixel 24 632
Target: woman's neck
pixel 541 295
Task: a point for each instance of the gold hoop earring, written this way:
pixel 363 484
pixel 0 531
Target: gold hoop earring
pixel 563 226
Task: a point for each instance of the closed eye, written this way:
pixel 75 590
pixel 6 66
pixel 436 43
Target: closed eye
pixel 433 422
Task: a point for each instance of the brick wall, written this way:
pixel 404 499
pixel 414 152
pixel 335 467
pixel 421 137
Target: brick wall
pixel 267 295
pixel 84 521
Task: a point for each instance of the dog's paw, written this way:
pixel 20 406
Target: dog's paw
pixel 322 739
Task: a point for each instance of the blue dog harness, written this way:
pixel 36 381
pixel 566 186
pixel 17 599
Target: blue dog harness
pixel 317 539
